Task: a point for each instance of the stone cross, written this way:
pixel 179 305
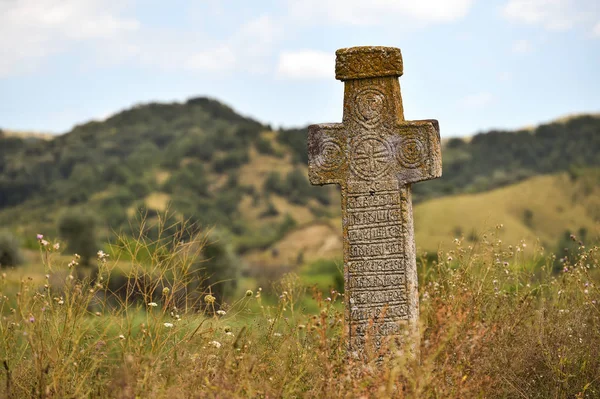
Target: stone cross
pixel 375 156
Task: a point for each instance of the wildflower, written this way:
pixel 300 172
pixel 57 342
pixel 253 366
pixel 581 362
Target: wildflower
pixel 102 256
pixel 72 264
pixel 56 246
pixel 449 258
pixel 77 256
pixel 216 344
pixel 277 334
pixel 227 329
pixel 44 243
pixel 152 304
pixel 121 336
pixel 61 301
pixel 168 325
pixel 229 333
pixel 31 319
pixel 301 326
pixel 249 293
pixel 221 312
pixel 40 237
pixel 209 299
pixel 166 291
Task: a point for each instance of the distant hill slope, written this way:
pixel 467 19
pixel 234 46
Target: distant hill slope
pixel 207 164
pixel 542 208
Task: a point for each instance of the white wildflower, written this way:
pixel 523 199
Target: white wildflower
pixel 168 325
pixel 216 344
pixel 152 304
pixel 221 312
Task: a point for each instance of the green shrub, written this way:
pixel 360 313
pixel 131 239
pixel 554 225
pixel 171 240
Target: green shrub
pixel 10 250
pixel 78 228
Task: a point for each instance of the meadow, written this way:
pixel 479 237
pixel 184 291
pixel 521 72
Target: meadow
pixel 498 320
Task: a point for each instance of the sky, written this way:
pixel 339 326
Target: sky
pixel 474 65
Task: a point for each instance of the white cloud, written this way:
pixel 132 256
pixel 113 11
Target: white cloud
pixel 361 12
pixel 30 30
pixel 521 46
pixel 306 64
pixel 557 15
pixel 477 100
pixel 596 30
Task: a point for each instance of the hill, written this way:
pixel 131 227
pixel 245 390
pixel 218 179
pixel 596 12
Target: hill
pixel 203 162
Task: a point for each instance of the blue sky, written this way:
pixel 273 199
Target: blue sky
pixel 473 65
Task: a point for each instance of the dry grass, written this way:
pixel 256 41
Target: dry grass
pixel 493 326
pixel 550 199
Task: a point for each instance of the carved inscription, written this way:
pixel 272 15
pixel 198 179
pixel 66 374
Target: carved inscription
pixel 376 269
pixel 371 297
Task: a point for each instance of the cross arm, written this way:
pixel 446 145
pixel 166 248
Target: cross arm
pixel 327 162
pixel 418 150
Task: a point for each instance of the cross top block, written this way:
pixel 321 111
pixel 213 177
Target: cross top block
pixel 367 62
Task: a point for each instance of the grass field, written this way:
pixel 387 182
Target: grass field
pixel 495 322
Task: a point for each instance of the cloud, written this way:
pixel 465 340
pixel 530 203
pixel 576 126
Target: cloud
pixel 31 30
pixel 521 46
pixel 596 30
pixel 477 100
pixel 557 15
pixel 360 12
pixel 306 64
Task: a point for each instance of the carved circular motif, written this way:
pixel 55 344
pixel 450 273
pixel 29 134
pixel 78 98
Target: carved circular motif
pixel 330 155
pixel 412 152
pixel 369 106
pixel 370 157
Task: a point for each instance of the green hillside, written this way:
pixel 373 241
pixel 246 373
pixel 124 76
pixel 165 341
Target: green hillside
pixel 202 162
pixel 543 207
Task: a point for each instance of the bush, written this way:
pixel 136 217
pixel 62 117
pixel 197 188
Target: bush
pixel 78 228
pixel 10 250
pixel 217 269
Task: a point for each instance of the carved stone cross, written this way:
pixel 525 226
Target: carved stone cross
pixel 375 155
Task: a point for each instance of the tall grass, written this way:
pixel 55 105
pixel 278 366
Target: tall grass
pixel 494 323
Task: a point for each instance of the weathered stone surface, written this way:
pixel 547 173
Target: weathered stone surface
pixel 367 62
pixel 374 155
